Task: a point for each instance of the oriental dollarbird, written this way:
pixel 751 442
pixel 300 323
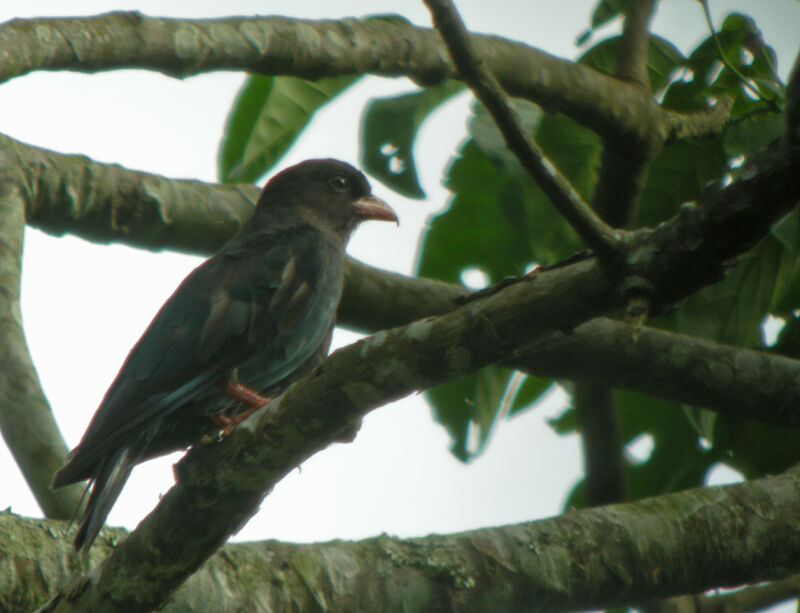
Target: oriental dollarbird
pixel 239 329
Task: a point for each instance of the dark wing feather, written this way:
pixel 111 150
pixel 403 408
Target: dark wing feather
pixel 214 321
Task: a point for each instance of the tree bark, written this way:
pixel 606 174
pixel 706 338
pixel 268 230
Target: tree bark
pixel 590 559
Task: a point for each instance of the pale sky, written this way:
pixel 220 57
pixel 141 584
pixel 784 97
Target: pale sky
pixel 85 305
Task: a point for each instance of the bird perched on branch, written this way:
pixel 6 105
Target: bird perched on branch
pixel 241 327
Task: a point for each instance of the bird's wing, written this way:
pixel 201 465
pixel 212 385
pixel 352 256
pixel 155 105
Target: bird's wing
pixel 249 294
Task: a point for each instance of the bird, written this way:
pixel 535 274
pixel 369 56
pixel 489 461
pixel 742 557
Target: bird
pixel 239 329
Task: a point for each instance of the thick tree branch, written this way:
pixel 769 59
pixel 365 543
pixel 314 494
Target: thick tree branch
pixel 105 202
pixel 582 560
pixel 164 213
pixel 596 234
pixel 313 49
pixel 26 420
pixel 731 380
pixel 219 486
pixel 480 332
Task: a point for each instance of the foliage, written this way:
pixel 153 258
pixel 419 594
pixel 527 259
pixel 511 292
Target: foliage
pixel 498 222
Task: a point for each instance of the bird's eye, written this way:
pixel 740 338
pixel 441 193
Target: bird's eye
pixel 339 183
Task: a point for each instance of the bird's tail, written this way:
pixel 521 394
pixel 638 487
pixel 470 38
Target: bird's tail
pixel 108 483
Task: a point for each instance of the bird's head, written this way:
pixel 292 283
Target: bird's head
pixel 327 193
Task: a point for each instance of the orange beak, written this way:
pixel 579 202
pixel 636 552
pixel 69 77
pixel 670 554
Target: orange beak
pixel 372 207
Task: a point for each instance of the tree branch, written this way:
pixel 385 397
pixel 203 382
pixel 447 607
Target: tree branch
pixel 219 486
pixel 171 214
pixel 26 420
pixel 589 559
pixel 278 45
pixel 733 381
pixel 708 122
pixel 604 462
pixel 596 234
pixel 625 161
pixel 107 203
pixel 632 55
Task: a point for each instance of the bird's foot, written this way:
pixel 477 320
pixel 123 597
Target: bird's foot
pixel 247 395
pixel 242 393
pixel 228 423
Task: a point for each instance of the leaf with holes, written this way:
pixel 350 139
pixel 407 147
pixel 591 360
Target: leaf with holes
pixel 710 77
pixel 388 130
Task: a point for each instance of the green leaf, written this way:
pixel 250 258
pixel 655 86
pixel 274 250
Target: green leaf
pixel 473 232
pixel 605 11
pixel 788 342
pixel 529 393
pixel 267 117
pixel 388 130
pixel 663 58
pixel 566 423
pixel 483 129
pixel 678 174
pixel 575 151
pixel 702 420
pixel 749 134
pixel 756 449
pixel 732 311
pixel 786 299
pixel 499 222
pixel 468 408
pixel 709 77
pixel 677 461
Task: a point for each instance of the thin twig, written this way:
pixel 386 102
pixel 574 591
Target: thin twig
pixel 602 239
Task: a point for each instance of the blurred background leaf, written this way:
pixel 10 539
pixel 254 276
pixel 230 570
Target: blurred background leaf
pixel 389 128
pixel 267 117
pixel 499 224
